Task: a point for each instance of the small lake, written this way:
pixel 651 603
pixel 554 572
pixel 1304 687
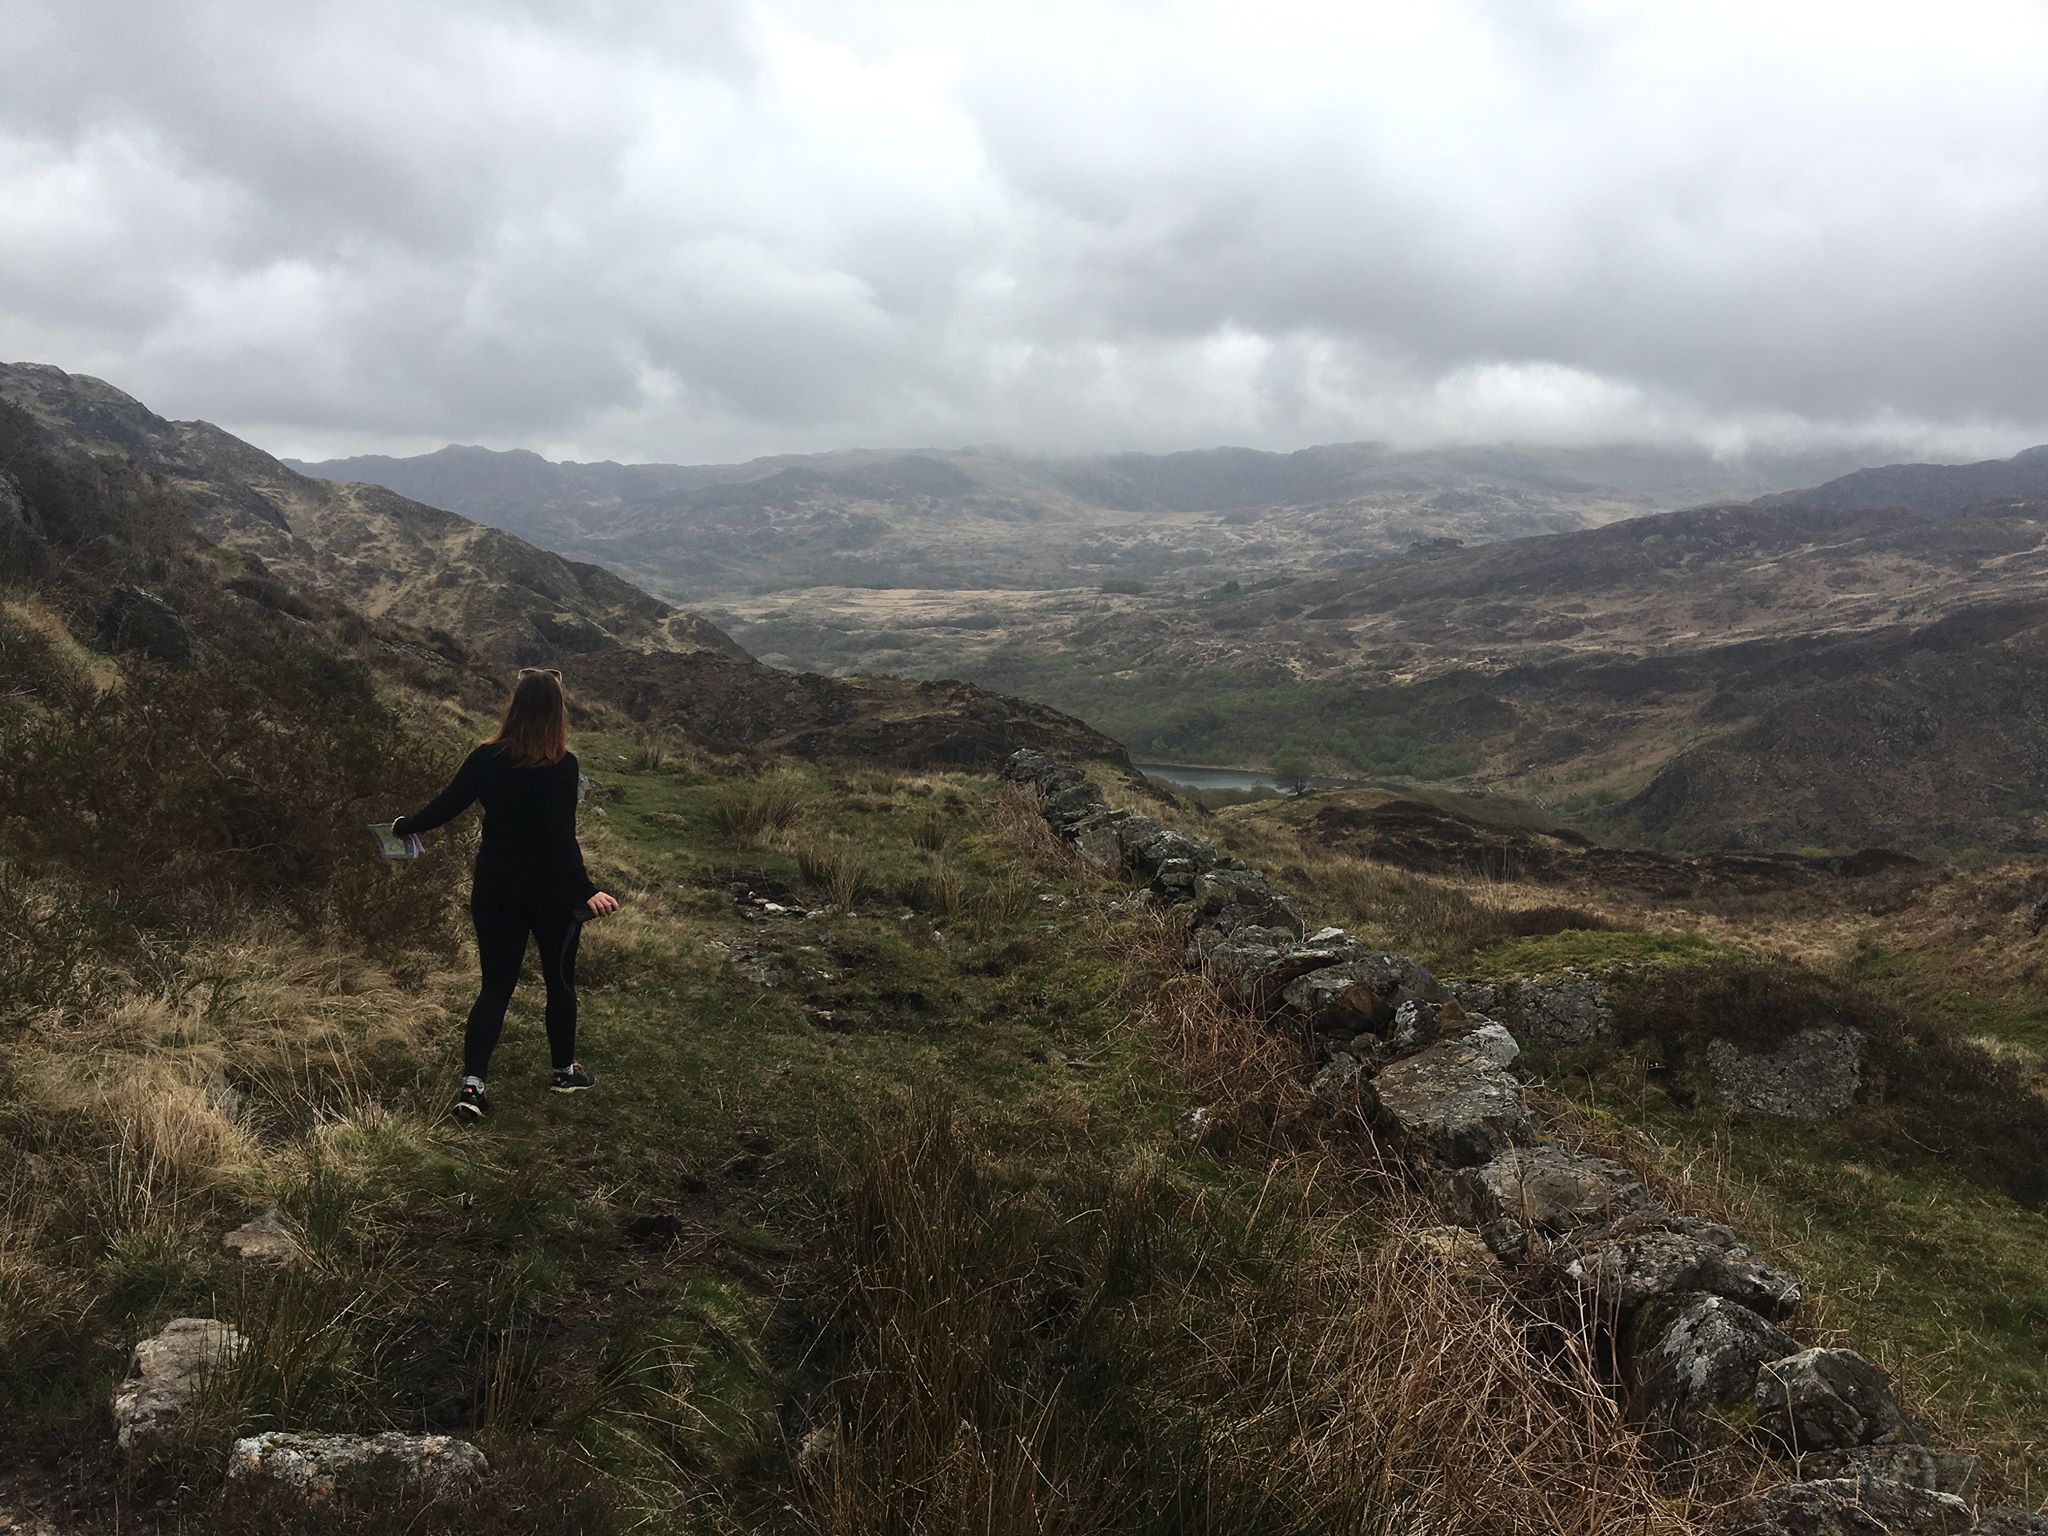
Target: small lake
pixel 1191 776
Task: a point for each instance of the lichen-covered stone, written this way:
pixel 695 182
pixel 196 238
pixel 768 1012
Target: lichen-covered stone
pixel 165 1374
pixel 1361 995
pixel 1825 1400
pixel 1255 965
pixel 1148 848
pixel 1026 766
pixel 1066 808
pixel 1811 1075
pixel 1230 899
pixel 1848 1507
pixel 1924 1466
pixel 1541 1189
pixel 1096 841
pixel 322 1467
pixel 1569 1007
pixel 1495 1041
pixel 1451 1106
pixel 1652 1253
pixel 1700 1367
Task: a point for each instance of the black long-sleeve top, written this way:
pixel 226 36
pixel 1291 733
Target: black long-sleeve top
pixel 529 852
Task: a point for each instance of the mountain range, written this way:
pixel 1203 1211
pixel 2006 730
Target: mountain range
pixel 982 518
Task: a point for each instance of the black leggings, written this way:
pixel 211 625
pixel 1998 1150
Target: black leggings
pixel 501 930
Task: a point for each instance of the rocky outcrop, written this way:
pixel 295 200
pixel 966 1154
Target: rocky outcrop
pixel 1813 1074
pixel 323 1467
pixel 1690 1313
pixel 165 1374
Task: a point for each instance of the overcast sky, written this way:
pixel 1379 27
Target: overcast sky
pixel 697 232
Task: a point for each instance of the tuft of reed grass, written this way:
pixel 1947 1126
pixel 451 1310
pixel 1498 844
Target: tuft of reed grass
pixel 654 747
pixel 753 811
pixel 834 866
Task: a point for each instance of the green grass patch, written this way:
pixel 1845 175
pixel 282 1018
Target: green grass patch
pixel 1591 949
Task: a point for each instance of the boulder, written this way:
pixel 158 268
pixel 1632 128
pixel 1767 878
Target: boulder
pixel 1450 1105
pixel 1175 881
pixel 1923 1466
pixel 1845 1507
pixel 2011 1520
pixel 1701 1365
pixel 265 1236
pixel 1359 996
pixel 1541 1189
pixel 1230 899
pixel 135 620
pixel 320 1467
pixel 165 1374
pixel 1651 1254
pixel 1813 1074
pixel 1826 1400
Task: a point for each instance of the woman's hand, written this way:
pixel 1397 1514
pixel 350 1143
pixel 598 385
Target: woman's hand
pixel 603 904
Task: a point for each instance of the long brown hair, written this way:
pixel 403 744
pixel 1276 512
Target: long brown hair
pixel 535 730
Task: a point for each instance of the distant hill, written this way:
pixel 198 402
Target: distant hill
pixel 487 600
pixel 1795 672
pixel 1930 487
pixel 972 519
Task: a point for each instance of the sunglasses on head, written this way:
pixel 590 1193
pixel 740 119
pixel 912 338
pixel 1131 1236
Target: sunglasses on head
pixel 554 672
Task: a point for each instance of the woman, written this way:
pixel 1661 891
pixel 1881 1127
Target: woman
pixel 529 876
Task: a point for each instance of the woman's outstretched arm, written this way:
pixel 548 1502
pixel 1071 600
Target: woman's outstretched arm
pixel 451 802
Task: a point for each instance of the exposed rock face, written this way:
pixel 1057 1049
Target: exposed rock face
pixel 1568 1008
pixel 135 620
pixel 324 1466
pixel 1846 1507
pixel 1826 1400
pixel 1450 1105
pixel 1814 1074
pixel 165 1374
pixel 1542 1189
pixel 1923 1466
pixel 1704 1362
pixel 1652 1254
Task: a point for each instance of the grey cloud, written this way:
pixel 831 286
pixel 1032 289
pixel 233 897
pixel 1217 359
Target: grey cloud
pixel 659 231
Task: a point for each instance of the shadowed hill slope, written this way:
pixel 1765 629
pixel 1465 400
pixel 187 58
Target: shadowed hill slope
pixel 484 599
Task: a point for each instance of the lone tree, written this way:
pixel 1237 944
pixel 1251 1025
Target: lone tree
pixel 1293 772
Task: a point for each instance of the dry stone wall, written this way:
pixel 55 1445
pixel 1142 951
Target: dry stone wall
pixel 1695 1319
